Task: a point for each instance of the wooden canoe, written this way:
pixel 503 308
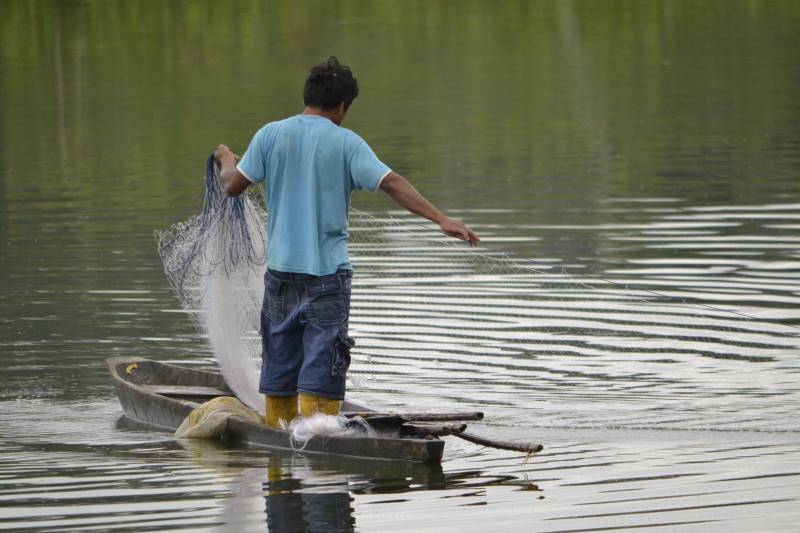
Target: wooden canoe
pixel 162 395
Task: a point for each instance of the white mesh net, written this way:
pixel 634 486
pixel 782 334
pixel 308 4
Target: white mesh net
pixel 215 262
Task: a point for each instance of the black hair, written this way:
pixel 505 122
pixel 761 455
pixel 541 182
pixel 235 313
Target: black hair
pixel 329 84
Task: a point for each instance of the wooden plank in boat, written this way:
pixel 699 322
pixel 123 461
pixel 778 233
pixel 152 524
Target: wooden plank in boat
pixel 186 390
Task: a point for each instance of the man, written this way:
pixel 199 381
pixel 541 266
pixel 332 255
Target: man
pixel 310 165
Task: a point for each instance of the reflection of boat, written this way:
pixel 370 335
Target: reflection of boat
pixel 163 395
pixel 324 472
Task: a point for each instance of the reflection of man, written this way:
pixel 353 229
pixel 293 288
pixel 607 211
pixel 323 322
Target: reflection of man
pixel 310 165
pixel 291 506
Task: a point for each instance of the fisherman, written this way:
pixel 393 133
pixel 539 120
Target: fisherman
pixel 310 165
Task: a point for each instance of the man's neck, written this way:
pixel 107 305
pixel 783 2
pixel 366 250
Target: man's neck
pixel 335 115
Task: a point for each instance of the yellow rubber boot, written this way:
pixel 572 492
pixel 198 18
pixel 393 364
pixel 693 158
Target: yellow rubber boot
pixel 280 408
pixel 310 405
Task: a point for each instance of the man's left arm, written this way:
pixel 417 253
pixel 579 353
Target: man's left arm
pixel 407 196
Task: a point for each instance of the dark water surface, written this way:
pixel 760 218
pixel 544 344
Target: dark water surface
pixel 640 160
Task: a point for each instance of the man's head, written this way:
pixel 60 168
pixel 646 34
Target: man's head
pixel 329 85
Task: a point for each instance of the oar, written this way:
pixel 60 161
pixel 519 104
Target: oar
pixel 528 447
pixel 458 431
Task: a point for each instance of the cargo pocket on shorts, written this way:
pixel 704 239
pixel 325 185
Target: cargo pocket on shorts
pixel 341 354
pixel 275 301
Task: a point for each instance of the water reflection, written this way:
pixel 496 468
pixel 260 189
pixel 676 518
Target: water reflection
pixel 130 477
pixel 296 503
pixel 312 493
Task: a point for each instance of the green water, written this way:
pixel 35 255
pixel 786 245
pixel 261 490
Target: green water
pixel 653 142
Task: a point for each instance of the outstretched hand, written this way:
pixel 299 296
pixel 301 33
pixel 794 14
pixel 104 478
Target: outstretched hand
pixel 406 195
pixel 459 230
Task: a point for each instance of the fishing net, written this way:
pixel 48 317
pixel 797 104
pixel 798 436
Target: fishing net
pixel 303 429
pixel 215 262
pixel 493 302
pixel 465 322
pixel 447 325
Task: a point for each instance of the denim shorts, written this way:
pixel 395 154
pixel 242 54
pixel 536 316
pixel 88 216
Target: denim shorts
pixel 305 346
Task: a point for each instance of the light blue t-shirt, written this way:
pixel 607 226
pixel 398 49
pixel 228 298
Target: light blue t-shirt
pixel 310 166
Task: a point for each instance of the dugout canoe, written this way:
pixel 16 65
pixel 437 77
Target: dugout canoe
pixel 162 395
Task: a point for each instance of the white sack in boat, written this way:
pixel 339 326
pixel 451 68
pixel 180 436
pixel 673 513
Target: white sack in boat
pixel 211 419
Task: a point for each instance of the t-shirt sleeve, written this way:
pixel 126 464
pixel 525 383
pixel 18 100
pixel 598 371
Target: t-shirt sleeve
pixel 253 164
pixel 366 170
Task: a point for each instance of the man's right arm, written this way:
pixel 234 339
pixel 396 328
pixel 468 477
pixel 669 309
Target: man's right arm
pixel 233 180
pixel 407 196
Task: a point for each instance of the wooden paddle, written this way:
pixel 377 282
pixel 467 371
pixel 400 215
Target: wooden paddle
pixel 528 447
pixel 459 431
